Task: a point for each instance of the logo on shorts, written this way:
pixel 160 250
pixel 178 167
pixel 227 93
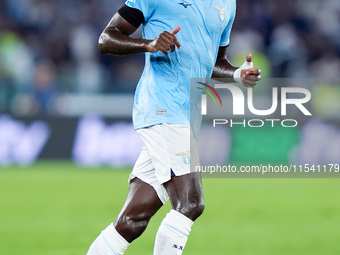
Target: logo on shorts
pixel 185 156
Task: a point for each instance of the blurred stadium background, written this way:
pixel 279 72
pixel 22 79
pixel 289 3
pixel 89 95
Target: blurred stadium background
pixel 61 103
pixel 51 72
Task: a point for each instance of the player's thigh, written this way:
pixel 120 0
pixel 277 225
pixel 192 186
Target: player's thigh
pixel 142 201
pixel 186 194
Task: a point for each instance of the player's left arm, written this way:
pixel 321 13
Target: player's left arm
pixel 248 75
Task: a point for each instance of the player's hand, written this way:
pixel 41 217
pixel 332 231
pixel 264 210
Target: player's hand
pixel 250 76
pixel 165 41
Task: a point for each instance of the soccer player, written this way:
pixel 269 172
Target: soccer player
pixel 181 40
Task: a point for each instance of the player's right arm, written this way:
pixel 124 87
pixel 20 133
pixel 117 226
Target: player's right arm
pixel 116 40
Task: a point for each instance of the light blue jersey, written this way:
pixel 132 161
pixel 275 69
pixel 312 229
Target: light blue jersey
pixel 163 92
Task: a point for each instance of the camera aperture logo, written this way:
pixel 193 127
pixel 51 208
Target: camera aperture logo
pixel 238 105
pixel 204 97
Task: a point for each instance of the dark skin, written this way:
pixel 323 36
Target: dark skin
pixel 224 69
pixel 185 192
pixel 115 39
pixel 142 202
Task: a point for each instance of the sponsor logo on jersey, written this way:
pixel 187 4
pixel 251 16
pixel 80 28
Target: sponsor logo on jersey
pixel 184 5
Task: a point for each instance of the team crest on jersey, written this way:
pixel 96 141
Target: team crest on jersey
pixel 185 156
pixel 130 3
pixel 221 12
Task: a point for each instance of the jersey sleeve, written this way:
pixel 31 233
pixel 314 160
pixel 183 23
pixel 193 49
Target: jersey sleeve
pixel 147 7
pixel 225 38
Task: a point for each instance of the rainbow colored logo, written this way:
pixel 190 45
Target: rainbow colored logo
pixel 209 93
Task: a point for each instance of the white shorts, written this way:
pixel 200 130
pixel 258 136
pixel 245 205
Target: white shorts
pixel 166 153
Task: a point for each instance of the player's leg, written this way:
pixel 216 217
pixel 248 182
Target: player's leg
pixel 186 196
pixel 171 151
pixel 141 204
pixel 145 196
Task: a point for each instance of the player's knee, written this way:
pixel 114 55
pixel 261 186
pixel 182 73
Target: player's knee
pixel 193 210
pixel 135 224
pixel 198 210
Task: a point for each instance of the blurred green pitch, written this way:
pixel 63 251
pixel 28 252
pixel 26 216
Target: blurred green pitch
pixel 58 209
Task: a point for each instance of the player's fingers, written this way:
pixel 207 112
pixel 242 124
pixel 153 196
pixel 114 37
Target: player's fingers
pixel 253 77
pixel 173 39
pixel 169 42
pixel 253 71
pixel 249 58
pixel 167 39
pixel 249 83
pixel 170 39
pixel 175 30
pixel 163 48
pixel 177 43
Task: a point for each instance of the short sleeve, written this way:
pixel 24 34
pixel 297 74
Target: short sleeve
pixel 225 38
pixel 147 7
